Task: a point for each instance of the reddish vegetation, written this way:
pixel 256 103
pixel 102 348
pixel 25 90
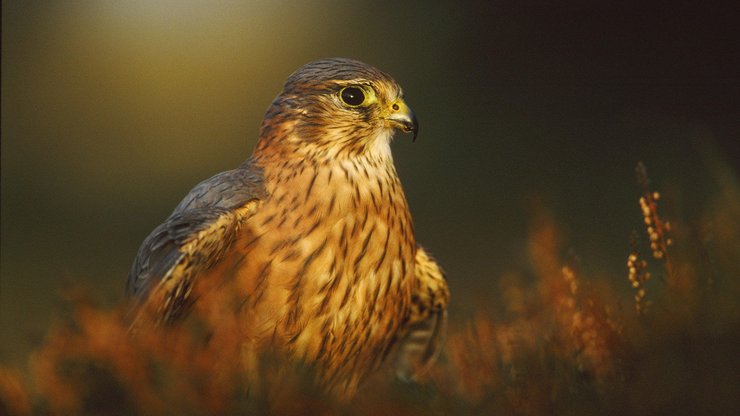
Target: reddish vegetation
pixel 558 341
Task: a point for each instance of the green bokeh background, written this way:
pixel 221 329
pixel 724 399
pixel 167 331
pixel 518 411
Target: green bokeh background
pixel 112 111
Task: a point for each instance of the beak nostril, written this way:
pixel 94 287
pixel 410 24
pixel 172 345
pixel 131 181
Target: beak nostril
pixel 403 118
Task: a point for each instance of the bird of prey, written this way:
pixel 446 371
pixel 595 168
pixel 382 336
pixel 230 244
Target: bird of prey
pixel 310 240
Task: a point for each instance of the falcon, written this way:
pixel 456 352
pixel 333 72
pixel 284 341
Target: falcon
pixel 308 245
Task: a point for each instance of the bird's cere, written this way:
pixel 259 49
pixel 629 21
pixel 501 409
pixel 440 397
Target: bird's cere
pixel 403 117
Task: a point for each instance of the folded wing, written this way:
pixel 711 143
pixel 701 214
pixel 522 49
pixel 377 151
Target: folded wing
pixel 428 322
pixel 194 238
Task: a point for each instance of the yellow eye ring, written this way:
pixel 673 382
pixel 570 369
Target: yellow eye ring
pixel 352 96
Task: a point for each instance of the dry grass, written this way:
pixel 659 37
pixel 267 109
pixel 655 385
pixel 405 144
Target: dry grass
pixel 557 342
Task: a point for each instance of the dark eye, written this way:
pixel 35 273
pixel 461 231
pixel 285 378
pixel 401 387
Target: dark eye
pixel 352 96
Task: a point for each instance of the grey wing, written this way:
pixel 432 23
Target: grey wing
pixel 191 240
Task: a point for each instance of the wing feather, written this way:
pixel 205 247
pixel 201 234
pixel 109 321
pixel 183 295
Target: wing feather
pixel 428 322
pixel 193 239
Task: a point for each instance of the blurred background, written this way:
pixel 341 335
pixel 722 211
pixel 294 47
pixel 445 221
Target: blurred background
pixel 112 111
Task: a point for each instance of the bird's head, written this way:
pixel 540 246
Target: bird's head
pixel 333 109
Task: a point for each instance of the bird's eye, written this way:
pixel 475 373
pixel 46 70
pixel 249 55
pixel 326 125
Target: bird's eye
pixel 352 96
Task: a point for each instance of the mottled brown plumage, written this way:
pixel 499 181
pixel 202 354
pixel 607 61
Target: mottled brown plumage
pixel 310 242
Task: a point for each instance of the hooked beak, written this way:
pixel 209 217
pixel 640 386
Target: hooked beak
pixel 403 118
